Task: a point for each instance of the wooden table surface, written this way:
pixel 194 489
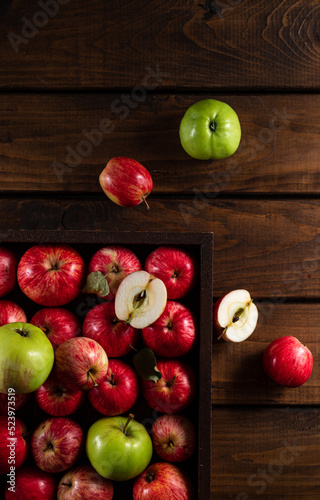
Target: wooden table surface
pixel 129 70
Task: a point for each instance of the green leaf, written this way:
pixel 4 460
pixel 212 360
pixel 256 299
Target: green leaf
pixel 146 365
pixel 97 283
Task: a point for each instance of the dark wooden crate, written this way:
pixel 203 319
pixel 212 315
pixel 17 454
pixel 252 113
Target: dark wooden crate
pixel 199 300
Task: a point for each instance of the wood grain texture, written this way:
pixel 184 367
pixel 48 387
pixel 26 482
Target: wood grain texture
pixel 61 142
pixel 194 44
pixel 270 247
pixel 265 453
pixel 237 371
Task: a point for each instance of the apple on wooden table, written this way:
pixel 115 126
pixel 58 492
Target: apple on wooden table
pixel 126 182
pixel 288 362
pixel 210 129
pixel 235 316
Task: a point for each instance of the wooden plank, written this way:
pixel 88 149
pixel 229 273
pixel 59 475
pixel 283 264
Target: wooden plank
pixel 61 142
pixel 237 371
pixel 270 247
pixel 265 453
pixel 190 44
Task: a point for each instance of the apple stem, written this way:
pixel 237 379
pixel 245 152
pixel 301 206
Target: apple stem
pixel 145 201
pixel 130 417
pixel 169 384
pixel 223 332
pixel 93 379
pixel 150 477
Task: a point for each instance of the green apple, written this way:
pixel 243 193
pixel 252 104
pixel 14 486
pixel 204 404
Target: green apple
pixel 210 129
pixel 119 448
pixel 26 357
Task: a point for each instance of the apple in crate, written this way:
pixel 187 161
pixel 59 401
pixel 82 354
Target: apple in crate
pixel 235 316
pixel 51 274
pixel 176 267
pixel 81 363
pixel 111 264
pixel 56 444
pixel 174 333
pixel 118 391
pixel 10 312
pixel 57 323
pixel 14 449
pixel 163 481
pixel 119 448
pixel 32 483
pixel 6 399
pixel 174 391
pixel 56 399
pixel 126 182
pixel 174 437
pixel 115 336
pixel 83 482
pixel 140 299
pixel 26 357
pixel 8 271
pixel 288 362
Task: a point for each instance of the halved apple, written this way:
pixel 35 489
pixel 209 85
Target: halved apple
pixel 235 316
pixel 140 299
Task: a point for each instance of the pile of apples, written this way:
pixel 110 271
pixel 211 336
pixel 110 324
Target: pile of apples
pixel 79 382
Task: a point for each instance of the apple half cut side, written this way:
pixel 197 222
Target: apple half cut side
pixel 141 299
pixel 235 316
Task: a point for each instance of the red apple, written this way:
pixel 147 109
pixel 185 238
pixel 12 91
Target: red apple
pixel 52 274
pixel 57 444
pixel 31 483
pixel 118 392
pixel 288 362
pixel 6 400
pixel 163 481
pixel 8 271
pixel 80 363
pixel 56 399
pixel 102 325
pixel 14 449
pixel 10 312
pixel 174 437
pixel 115 262
pixel 126 182
pixel 174 391
pixel 84 483
pixel 176 267
pixel 173 334
pixel 58 324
